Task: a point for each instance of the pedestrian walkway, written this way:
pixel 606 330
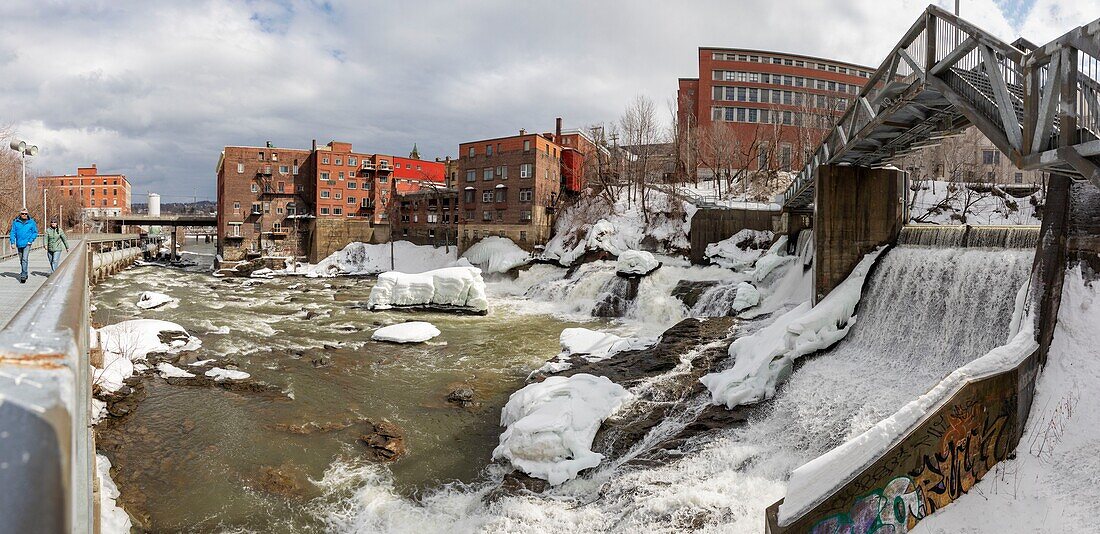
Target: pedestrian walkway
pixel 14 295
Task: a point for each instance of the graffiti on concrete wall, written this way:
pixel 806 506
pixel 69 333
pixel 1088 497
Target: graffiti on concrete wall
pixel 895 508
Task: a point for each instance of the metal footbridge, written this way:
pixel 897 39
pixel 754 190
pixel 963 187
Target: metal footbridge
pixel 1037 104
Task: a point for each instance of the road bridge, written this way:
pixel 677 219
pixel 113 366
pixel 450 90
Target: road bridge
pixel 119 223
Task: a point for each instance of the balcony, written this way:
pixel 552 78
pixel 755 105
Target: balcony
pixel 368 166
pixel 264 170
pixel 231 237
pixel 279 233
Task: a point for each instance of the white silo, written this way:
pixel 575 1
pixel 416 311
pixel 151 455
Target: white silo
pixel 154 205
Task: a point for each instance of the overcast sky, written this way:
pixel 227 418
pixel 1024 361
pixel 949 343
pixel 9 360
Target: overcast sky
pixel 155 89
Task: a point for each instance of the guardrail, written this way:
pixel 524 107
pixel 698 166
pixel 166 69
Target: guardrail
pixel 6 251
pixel 47 452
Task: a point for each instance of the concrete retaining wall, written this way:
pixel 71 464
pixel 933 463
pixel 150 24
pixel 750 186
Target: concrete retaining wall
pixel 711 225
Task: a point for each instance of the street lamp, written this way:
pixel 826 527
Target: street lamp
pixel 24 150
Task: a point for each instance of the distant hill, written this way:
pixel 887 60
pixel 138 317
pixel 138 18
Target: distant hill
pixel 178 208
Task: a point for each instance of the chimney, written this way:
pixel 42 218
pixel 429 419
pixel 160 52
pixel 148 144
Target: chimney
pixel 315 145
pixel 522 131
pixel 557 130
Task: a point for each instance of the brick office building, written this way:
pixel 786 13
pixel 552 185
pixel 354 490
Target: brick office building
pixel 99 194
pixel 297 202
pixel 508 186
pixel 428 217
pixel 786 101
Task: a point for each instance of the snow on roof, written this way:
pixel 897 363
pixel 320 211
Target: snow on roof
pixel 469 188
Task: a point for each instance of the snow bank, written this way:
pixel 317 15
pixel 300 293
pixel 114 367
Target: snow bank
pixel 764 359
pixel 636 262
pixel 814 481
pixel 940 202
pixel 453 286
pixel 494 254
pixel 125 342
pixel 739 250
pixel 219 374
pixel 151 299
pixel 367 259
pixel 168 370
pixel 551 424
pixel 112 518
pixel 410 332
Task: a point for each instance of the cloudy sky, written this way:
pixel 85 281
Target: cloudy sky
pixel 155 89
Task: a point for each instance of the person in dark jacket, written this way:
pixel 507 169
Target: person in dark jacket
pixel 23 233
pixel 55 240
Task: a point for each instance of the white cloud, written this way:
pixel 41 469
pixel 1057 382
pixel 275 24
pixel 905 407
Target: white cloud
pixel 155 89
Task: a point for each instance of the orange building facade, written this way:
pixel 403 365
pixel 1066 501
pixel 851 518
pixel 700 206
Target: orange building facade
pixel 99 194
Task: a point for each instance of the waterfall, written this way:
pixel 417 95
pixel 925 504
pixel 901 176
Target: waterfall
pixel 970 236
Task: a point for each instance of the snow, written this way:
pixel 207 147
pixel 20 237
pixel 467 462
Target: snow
pixel 551 425
pixel 452 286
pixel 151 299
pixel 219 374
pixel 593 224
pixel 494 254
pixel 734 197
pixel 368 259
pixel 940 202
pixel 747 297
pixel 168 370
pixel 112 518
pixel 765 358
pixel 1053 484
pixel 636 262
pixel 410 332
pixel 200 363
pixel 740 250
pixel 592 345
pixel 125 342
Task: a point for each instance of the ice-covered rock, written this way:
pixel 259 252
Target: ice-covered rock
pixel 590 346
pixel 739 250
pixel 636 263
pixel 410 332
pixel 219 374
pixel 366 259
pixel 453 286
pixel 125 342
pixel 765 358
pixel 494 254
pixel 747 297
pixel 151 299
pixel 168 370
pixel 551 425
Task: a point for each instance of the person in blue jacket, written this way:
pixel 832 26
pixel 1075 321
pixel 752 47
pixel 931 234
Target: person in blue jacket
pixel 23 232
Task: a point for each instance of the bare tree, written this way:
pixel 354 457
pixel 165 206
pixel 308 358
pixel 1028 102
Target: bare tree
pixel 641 132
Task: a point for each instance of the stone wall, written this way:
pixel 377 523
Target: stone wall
pixel 330 234
pixel 711 225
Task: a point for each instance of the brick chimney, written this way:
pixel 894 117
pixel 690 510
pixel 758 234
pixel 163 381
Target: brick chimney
pixel 557 130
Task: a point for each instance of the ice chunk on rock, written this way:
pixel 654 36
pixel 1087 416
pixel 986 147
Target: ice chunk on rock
pixel 636 262
pixel 410 332
pixel 496 254
pixel 551 425
pixel 452 286
pixel 220 374
pixel 151 299
pixel 747 297
pixel 168 370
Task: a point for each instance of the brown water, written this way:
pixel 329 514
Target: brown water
pixel 207 459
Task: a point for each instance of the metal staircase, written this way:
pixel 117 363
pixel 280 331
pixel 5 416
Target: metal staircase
pixel 1041 108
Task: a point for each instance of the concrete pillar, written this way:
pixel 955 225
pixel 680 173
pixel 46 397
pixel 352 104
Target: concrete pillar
pixel 855 210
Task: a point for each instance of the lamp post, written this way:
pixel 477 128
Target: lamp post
pixel 24 150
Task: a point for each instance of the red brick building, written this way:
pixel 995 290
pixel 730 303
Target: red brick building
pixel 286 202
pixel 428 217
pixel 785 100
pixel 99 194
pixel 509 186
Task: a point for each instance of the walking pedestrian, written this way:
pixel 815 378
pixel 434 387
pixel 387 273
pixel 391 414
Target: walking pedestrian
pixel 55 240
pixel 23 232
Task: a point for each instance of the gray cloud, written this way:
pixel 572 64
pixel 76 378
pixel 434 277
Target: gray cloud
pixel 155 89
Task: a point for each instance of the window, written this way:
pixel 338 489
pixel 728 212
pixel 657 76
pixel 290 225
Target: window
pixel 240 170
pixel 351 200
pixel 502 172
pixel 261 155
pixel 279 210
pixel 114 191
pixel 486 216
pixel 419 168
pixel 325 193
pixel 525 215
pixel 1018 178
pixel 339 161
pixel 488 150
pixel 267 207
pixel 283 169
pixel 785 157
pixel 471 176
pixel 991 157
pixel 256 227
pixel 523 235
pixel 526 170
pixel 762 159
pixel 324 176
pixel 487 174
pixel 235 230
pixel 525 195
pixel 104 191
pixel 337 211
pixel 382 179
pixel 351 185
pixel 471 153
pixel 236 206
pixel 340 175
pixel 500 215
pixel 255 208
pixel 502 195
pixel 526 145
pixel 468 196
pixel 487 196
pixel 469 215
pixel 324 160
pixel 295 168
pixel 291 209
pixel 338 195
pixel 351 161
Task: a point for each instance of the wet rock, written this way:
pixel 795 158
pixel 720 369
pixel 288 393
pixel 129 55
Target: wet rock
pixel 385 441
pixel 689 292
pixel 311 314
pixel 462 396
pixel 516 483
pixel 287 480
pixel 313 427
pixel 320 361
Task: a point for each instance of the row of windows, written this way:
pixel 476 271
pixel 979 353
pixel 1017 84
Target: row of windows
pixel 498 195
pixel 431 218
pixel 777 96
pixel 526 170
pixel 91 192
pixel 73 183
pixel 785 79
pixel 772 116
pixel 92 202
pixel 283 169
pixel 472 151
pixel 501 233
pixel 488 215
pixel 790 62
